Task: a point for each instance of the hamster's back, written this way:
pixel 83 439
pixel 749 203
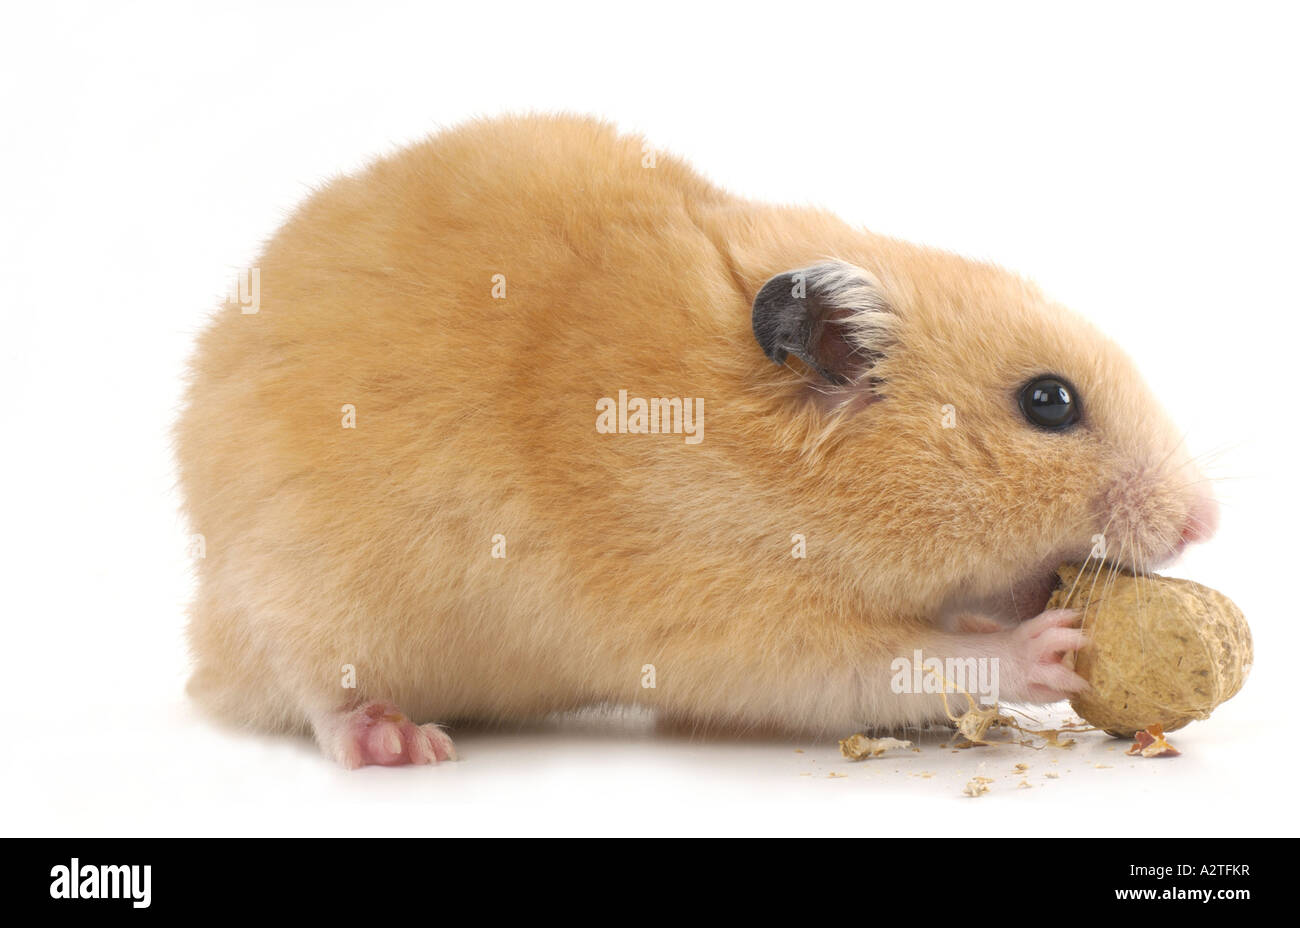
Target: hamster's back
pixel 419 379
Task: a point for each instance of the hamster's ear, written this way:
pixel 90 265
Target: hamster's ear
pixel 831 316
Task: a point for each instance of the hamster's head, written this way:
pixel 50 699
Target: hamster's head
pixel 972 434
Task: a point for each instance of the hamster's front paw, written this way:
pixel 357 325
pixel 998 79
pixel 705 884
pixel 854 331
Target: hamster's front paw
pixel 1037 648
pixel 378 733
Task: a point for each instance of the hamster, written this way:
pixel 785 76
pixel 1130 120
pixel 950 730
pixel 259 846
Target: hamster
pixel 505 436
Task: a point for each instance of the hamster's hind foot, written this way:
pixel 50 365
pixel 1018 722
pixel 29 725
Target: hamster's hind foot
pixel 378 733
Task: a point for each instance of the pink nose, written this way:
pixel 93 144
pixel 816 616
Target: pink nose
pixel 1202 520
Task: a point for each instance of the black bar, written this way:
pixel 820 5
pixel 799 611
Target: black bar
pixel 828 878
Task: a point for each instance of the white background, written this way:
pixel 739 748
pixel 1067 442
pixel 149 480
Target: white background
pixel 1139 160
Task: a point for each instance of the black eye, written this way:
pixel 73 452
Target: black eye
pixel 1049 403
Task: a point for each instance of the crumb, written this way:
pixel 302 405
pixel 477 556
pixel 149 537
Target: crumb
pixel 833 775
pixel 1024 784
pixel 1103 766
pixel 859 747
pixel 1152 743
pixel 798 750
pixel 1021 768
pixel 977 787
pixel 1052 775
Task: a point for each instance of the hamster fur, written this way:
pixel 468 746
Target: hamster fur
pixel 932 512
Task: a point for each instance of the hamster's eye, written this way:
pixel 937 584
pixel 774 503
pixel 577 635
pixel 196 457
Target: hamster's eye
pixel 1049 403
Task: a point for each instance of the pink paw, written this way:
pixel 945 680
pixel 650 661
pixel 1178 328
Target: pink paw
pixel 1037 656
pixel 378 733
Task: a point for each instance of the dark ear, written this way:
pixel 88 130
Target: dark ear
pixel 831 316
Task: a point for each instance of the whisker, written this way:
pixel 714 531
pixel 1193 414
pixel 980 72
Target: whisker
pixel 1192 483
pixel 1084 566
pixel 1179 444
